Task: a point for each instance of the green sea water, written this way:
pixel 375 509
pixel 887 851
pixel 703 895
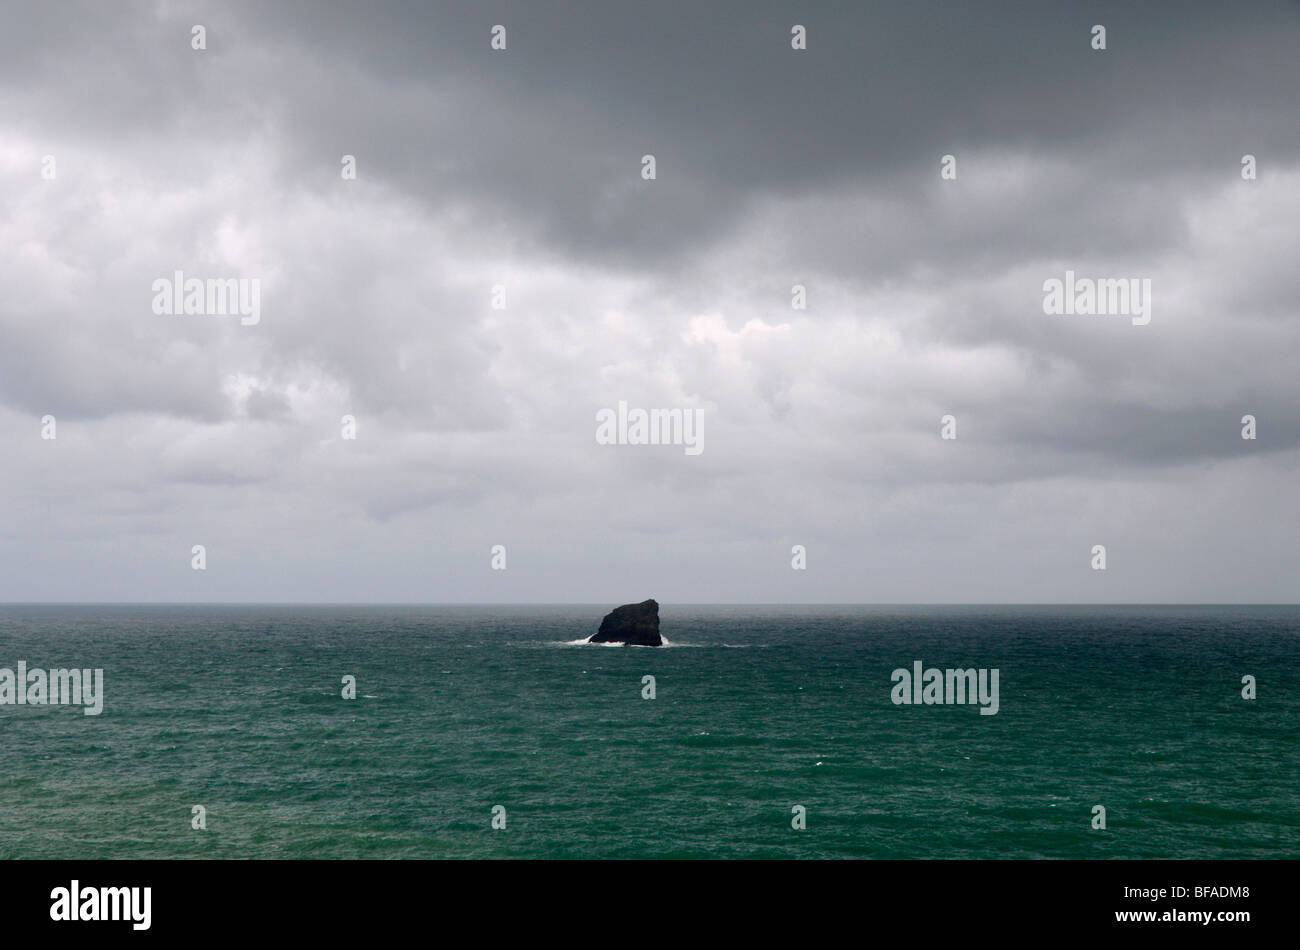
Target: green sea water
pixel 757 709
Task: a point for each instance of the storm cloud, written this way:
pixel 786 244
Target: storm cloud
pixel 521 170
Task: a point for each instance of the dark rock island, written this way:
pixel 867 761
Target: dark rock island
pixel 636 624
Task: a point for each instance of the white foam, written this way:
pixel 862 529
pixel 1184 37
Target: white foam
pixel 586 641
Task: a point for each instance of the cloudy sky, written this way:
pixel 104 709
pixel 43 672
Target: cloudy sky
pixel 522 168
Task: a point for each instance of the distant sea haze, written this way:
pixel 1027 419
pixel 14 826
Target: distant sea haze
pixel 764 732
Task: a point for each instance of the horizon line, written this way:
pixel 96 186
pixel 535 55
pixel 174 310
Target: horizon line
pixel 683 603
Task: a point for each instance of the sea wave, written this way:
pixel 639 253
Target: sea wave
pixel 586 642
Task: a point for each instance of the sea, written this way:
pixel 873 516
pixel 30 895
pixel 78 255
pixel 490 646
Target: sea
pixel 756 732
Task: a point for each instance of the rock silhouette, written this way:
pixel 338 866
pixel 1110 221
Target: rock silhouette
pixel 636 624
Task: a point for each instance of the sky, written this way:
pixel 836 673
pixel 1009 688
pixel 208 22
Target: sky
pixel 501 269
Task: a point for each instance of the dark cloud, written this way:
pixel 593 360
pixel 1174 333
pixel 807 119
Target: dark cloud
pixel 521 169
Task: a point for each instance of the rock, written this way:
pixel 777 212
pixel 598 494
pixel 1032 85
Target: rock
pixel 637 624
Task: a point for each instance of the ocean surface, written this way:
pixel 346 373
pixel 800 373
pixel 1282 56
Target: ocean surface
pixel 757 709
